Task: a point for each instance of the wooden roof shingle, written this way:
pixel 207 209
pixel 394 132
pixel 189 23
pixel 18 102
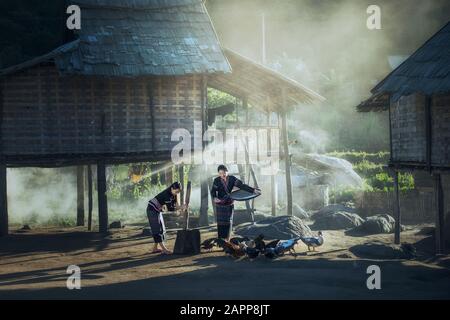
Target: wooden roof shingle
pixel 426 71
pixel 142 37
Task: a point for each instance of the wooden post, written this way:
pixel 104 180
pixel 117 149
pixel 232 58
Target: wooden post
pixel 397 214
pixel 213 205
pixel 102 199
pixel 439 202
pixel 181 181
pixel 4 223
pixel 273 186
pixel 3 202
pixel 154 176
pixel 287 159
pixel 90 202
pixel 204 192
pixel 168 175
pixel 80 196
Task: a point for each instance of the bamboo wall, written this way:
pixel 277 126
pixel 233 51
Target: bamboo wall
pixel 408 130
pixel 49 115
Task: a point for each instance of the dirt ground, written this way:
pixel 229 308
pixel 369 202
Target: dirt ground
pixel 33 266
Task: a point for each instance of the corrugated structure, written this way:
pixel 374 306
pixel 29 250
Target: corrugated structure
pixel 417 97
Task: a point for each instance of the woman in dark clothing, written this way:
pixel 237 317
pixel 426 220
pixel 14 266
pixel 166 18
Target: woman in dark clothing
pixel 167 198
pixel 220 192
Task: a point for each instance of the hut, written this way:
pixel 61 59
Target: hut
pixel 136 71
pixel 417 96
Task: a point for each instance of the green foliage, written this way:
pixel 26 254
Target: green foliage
pixel 355 157
pixel 218 98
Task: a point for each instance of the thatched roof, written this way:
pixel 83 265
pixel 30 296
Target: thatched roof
pixel 426 71
pixel 261 85
pixel 141 37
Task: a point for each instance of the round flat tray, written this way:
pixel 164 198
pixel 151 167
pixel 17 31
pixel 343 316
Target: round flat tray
pixel 242 195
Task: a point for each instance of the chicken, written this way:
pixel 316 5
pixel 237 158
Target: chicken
pixel 259 243
pixel 287 245
pixel 209 243
pixel 230 248
pixel 313 242
pixel 237 240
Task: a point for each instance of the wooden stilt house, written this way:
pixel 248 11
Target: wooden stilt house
pixel 136 71
pixel 417 97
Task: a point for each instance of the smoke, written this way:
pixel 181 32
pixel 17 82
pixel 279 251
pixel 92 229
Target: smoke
pixel 326 45
pixel 38 195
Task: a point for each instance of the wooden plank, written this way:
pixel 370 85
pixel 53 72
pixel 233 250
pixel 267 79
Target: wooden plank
pixel 287 160
pixel 439 202
pixel 80 195
pixel 90 202
pixel 397 214
pixel 102 199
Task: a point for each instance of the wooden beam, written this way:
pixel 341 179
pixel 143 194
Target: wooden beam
pixel 80 196
pixel 439 202
pixel 90 202
pixel 397 214
pixel 102 199
pixel 287 159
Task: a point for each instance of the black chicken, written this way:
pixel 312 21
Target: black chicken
pixel 259 243
pixel 272 244
pixel 208 244
pixel 238 240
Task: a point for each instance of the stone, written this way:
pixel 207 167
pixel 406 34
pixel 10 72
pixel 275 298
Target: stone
pixel 378 250
pixel 116 225
pixel 337 221
pixel 381 223
pixel 333 208
pixel 280 227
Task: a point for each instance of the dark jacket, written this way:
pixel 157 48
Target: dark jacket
pixel 166 198
pixel 221 190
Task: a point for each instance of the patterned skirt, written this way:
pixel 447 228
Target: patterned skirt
pixel 224 220
pixel 156 221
